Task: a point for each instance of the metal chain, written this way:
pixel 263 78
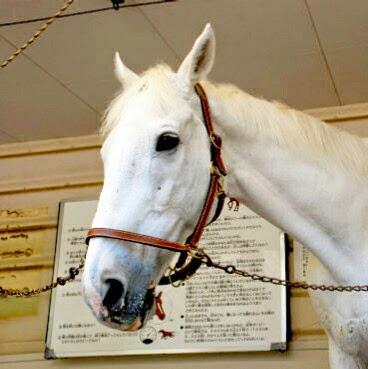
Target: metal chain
pixel 37 34
pixel 60 281
pixel 232 269
pixel 206 260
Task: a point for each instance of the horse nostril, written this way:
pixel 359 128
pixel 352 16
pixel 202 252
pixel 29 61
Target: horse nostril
pixel 113 295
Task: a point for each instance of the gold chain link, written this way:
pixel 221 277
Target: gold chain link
pixel 37 33
pixel 60 281
pixel 232 269
pixel 205 259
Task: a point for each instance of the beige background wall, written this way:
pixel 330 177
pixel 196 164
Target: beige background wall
pixel 34 177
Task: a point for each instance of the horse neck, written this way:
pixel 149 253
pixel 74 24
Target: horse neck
pixel 294 171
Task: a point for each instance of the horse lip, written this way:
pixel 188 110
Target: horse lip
pixel 141 317
pixel 135 326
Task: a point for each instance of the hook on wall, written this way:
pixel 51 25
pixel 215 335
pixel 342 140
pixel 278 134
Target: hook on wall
pixel 116 3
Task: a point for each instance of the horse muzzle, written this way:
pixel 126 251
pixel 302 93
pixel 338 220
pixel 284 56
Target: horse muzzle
pixel 130 314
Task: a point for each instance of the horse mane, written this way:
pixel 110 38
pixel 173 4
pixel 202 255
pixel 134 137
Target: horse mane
pixel 273 120
pixel 279 123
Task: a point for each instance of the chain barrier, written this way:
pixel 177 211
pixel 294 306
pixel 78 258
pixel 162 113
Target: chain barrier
pixel 206 260
pixel 232 269
pixel 60 281
pixel 37 33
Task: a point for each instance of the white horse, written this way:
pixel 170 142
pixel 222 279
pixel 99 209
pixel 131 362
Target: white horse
pixel 304 176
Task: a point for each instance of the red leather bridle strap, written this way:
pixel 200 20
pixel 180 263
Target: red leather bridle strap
pixel 136 237
pixel 159 242
pixel 207 207
pixel 216 142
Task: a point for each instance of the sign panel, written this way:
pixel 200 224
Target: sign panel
pixel 211 312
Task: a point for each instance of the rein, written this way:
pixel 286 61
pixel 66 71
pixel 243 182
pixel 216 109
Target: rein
pixel 183 270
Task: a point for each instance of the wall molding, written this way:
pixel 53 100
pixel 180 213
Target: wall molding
pixel 336 114
pixel 332 114
pixel 50 184
pixel 58 145
pixel 12 225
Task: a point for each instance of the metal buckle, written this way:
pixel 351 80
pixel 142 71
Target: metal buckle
pixel 194 252
pixel 214 138
pixel 213 168
pixel 220 184
pixel 179 283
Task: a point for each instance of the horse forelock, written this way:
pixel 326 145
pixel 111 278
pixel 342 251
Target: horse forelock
pixel 155 88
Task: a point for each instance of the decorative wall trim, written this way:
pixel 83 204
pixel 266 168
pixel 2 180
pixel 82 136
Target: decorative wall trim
pixel 27 224
pixel 58 145
pixel 332 114
pixel 337 114
pixel 50 184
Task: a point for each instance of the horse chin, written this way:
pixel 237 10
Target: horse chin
pixel 116 324
pixel 135 326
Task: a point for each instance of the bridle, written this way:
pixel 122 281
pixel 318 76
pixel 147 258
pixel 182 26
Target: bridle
pixel 183 270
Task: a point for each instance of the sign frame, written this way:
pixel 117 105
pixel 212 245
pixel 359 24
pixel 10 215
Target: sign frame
pixel 51 353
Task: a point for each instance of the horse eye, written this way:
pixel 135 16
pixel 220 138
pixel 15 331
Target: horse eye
pixel 167 141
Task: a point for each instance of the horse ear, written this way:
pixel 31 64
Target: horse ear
pixel 198 63
pixel 125 75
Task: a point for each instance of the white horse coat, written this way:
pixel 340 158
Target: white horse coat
pixel 304 176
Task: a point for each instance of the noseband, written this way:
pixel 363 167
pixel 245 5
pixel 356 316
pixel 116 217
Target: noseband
pixel 182 269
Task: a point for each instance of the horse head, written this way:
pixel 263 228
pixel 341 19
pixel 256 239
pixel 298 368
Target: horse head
pixel 156 156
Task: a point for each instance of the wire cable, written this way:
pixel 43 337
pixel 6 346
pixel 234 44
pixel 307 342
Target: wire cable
pixel 91 11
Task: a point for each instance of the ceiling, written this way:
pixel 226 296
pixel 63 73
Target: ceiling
pixel 307 53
